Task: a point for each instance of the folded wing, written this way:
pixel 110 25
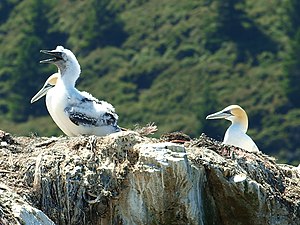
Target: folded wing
pixel 89 111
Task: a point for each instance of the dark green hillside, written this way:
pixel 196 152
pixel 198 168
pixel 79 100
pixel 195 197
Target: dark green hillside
pixel 169 62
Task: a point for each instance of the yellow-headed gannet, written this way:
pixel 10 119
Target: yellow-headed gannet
pixel 50 83
pixel 236 133
pixel 74 112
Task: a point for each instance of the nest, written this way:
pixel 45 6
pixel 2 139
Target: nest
pixel 72 178
pixel 75 180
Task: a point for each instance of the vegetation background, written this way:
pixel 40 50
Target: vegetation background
pixel 171 62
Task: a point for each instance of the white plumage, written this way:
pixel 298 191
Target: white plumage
pixel 74 112
pixel 236 133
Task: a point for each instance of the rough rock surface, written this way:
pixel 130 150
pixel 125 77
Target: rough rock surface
pixel 126 178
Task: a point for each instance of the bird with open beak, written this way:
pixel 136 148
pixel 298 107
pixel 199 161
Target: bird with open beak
pixel 75 113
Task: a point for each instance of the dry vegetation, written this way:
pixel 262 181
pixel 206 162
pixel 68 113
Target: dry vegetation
pixel 79 180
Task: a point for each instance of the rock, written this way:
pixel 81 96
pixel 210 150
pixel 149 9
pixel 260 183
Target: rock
pixel 164 189
pixel 14 210
pixel 126 178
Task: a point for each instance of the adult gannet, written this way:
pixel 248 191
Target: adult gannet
pixel 236 133
pixel 74 112
pixel 50 83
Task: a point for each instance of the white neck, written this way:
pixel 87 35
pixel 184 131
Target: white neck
pixel 69 74
pixel 241 125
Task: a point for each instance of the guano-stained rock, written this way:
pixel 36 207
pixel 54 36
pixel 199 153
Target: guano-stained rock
pixel 126 178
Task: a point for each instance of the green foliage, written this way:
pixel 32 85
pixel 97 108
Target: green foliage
pixel 88 24
pixel 292 70
pixel 170 62
pixel 292 62
pixel 19 73
pixel 293 18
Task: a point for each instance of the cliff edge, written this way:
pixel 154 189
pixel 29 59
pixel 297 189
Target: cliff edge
pixel 127 178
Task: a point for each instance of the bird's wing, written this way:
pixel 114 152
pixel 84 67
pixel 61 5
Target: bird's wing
pixel 89 111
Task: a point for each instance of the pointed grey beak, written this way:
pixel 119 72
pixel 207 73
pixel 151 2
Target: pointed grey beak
pixel 219 115
pixel 41 92
pixel 57 56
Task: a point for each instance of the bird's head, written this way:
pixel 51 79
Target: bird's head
pixel 50 83
pixel 63 58
pixel 233 113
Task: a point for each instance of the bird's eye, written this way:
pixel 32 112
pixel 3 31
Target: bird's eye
pixel 228 112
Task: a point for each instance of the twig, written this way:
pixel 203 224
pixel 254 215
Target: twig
pixel 46 143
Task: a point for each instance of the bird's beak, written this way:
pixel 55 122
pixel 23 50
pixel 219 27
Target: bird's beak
pixel 57 56
pixel 41 92
pixel 219 115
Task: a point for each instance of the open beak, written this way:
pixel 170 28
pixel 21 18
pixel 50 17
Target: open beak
pixel 57 56
pixel 41 92
pixel 219 115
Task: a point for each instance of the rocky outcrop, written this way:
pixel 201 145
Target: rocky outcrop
pixel 126 178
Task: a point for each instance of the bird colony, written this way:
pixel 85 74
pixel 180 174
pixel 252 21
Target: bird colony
pixel 79 113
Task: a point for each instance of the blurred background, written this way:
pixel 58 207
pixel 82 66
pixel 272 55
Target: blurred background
pixel 171 62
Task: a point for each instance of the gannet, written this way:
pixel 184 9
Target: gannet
pixel 75 113
pixel 50 83
pixel 236 133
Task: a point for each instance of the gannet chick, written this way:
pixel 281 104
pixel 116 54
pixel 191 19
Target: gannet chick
pixel 236 133
pixel 74 112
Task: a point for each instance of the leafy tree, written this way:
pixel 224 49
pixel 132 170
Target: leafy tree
pixel 292 70
pixel 90 24
pixel 21 56
pixel 292 60
pixel 235 25
pixel 292 25
pixel 5 9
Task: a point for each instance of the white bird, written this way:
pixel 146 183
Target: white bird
pixel 74 112
pixel 50 83
pixel 236 133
